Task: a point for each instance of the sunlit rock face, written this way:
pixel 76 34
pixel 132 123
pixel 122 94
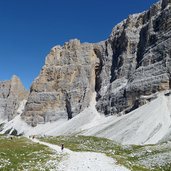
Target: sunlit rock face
pixel 65 85
pixel 12 92
pixel 134 61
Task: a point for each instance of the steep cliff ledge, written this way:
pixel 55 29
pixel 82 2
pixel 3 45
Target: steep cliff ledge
pixel 135 60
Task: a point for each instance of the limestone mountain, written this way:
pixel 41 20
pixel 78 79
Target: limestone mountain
pixel 12 93
pixel 133 62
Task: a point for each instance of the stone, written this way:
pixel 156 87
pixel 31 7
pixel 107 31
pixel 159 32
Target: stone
pixel 65 85
pixel 12 92
pixel 135 61
pixel 140 51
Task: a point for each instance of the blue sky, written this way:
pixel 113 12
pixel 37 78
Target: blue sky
pixel 30 28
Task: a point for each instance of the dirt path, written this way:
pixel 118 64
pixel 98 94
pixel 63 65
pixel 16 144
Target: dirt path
pixel 84 161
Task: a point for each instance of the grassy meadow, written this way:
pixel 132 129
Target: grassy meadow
pixel 20 153
pixel 136 158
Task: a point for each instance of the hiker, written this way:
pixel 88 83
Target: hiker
pixel 62 147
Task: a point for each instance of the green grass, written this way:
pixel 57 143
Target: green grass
pixel 129 156
pixel 19 153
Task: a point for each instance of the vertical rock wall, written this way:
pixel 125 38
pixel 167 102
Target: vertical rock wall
pixel 140 50
pixel 65 85
pixel 135 60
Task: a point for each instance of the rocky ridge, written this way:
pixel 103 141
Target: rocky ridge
pixel 140 51
pixel 12 92
pixel 65 85
pixel 133 62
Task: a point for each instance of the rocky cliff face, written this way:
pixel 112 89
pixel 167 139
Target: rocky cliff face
pixel 140 51
pixel 12 92
pixel 65 85
pixel 135 60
